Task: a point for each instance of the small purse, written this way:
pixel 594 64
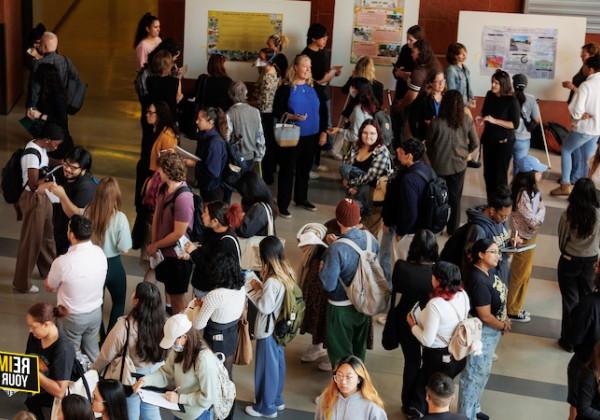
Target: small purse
pixel 287 135
pixel 122 367
pixel 243 352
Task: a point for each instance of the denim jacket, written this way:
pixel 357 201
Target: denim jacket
pixel 340 263
pixel 460 79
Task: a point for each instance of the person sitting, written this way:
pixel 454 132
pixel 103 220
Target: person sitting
pixel 258 207
pixel 76 407
pixel 351 386
pixel 109 400
pixel 440 391
pixel 78 280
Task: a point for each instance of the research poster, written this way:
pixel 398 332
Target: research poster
pixel 240 35
pixel 524 50
pixel 377 30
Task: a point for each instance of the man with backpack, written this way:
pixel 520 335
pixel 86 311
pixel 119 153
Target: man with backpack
pixel 36 242
pixel 404 203
pixel 347 327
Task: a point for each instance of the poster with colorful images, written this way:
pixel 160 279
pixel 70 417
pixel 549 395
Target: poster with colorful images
pixel 377 31
pixel 240 35
pixel 529 51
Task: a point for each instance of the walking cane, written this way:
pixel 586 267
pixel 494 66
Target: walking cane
pixel 544 139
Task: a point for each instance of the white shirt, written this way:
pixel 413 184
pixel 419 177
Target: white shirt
pixel 439 319
pixel 31 161
pixel 221 306
pixel 79 277
pixel 587 100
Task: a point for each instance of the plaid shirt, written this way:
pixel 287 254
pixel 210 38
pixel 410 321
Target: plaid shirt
pixel 65 68
pixel 381 166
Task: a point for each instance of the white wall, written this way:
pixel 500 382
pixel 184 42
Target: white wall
pixel 571 36
pixel 296 20
pixel 343 23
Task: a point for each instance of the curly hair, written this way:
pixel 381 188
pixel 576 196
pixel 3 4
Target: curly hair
pixel 172 166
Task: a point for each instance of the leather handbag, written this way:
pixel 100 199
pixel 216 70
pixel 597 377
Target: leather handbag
pixel 122 367
pixel 243 351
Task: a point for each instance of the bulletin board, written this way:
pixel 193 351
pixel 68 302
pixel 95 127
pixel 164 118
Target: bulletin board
pixel 545 48
pixel 376 28
pixel 295 20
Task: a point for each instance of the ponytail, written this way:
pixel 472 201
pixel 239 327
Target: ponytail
pixel 520 95
pixel 219 119
pixel 43 312
pixel 226 215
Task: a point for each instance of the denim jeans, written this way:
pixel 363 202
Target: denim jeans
pixel 520 150
pixel 386 252
pixel 269 376
pixel 573 142
pixel 136 409
pixel 349 172
pixel 476 374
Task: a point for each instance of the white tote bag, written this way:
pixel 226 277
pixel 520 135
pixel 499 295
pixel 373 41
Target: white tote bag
pixel 287 135
pixel 250 246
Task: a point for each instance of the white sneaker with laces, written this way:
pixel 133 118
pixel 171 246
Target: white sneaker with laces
pixel 253 413
pixel 325 366
pixel 313 353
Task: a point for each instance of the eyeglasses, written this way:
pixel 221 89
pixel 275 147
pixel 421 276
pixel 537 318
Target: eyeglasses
pixel 341 378
pixel 71 166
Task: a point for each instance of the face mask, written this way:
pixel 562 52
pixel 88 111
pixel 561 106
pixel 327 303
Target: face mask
pixel 260 63
pixel 177 348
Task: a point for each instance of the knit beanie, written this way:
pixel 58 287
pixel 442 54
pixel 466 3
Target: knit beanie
pixel 347 212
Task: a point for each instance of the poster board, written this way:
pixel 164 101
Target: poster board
pixel 295 21
pixel 370 27
pixel 546 48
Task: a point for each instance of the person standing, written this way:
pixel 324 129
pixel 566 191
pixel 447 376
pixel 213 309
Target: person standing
pixel 78 280
pixel 458 76
pixel 147 38
pixel 36 240
pixel 528 215
pixel 347 328
pixel 530 112
pixel 300 102
pixel 212 87
pixel 501 116
pixel 578 241
pixel 584 109
pixel 426 107
pixel 449 140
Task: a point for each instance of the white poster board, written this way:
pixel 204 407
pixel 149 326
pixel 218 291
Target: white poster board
pixel 474 30
pixel 296 20
pixel 341 48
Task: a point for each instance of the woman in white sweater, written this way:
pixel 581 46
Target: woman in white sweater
pixel 218 312
pixel 448 306
pixel 268 296
pixel 191 371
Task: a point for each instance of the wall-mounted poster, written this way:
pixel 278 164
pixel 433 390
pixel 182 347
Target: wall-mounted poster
pixel 519 50
pixel 377 31
pixel 240 35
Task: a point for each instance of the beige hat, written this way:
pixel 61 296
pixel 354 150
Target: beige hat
pixel 175 327
pixel 311 234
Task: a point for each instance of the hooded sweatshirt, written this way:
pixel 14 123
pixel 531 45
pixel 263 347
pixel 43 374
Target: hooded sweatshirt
pixel 484 227
pixel 212 151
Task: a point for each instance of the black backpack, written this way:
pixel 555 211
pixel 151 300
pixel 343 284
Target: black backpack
pixel 454 248
pixel 435 209
pixel 196 233
pixel 76 90
pixel 12 175
pixel 234 168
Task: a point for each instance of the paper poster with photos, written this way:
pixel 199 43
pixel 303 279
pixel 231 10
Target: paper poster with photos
pixel 240 35
pixel 530 51
pixel 377 30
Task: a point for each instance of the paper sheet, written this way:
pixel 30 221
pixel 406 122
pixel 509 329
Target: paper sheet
pixel 52 197
pixel 158 399
pixel 186 154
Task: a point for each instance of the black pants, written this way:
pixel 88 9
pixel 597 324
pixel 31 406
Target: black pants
pixel 411 348
pixel 575 280
pixel 496 159
pixel 38 402
pixel 455 184
pixel 436 360
pixel 269 162
pixel 295 161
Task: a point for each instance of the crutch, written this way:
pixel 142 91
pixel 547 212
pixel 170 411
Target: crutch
pixel 544 139
pixel 338 143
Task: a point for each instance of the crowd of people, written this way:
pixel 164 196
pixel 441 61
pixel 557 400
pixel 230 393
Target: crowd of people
pixel 383 234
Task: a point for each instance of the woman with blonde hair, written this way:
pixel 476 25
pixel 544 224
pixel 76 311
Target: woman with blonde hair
pixel 268 297
pixel 350 388
pixel 366 68
pixel 110 230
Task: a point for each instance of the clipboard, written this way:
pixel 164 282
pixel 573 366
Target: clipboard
pixel 158 399
pixel 513 250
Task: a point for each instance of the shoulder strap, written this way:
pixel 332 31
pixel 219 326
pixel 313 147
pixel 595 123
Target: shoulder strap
pixel 270 227
pixel 182 189
pixel 237 246
pixel 423 175
pixel 351 244
pixel 124 355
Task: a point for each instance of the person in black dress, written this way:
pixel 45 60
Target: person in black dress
pixel 212 87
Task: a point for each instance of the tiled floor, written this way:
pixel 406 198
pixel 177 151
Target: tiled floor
pixel 529 378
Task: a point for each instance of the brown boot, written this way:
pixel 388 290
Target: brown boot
pixel 564 189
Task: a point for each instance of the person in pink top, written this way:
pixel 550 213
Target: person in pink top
pixel 146 38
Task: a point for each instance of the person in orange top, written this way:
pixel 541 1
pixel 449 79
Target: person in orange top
pixel 160 117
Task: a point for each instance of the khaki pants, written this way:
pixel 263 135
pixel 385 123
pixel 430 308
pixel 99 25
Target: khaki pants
pixel 36 243
pixel 522 265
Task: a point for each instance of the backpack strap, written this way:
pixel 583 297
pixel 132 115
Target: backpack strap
pixel 237 245
pixel 32 151
pixel 425 176
pixel 178 191
pixel 270 224
pixel 124 355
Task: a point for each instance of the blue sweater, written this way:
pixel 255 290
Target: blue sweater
pixel 212 152
pixel 340 263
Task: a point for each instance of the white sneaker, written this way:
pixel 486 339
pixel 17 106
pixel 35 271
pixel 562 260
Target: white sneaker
pixel 313 353
pixel 281 407
pixel 322 168
pixel 325 366
pixel 314 175
pixel 32 289
pixel 494 357
pixel 253 413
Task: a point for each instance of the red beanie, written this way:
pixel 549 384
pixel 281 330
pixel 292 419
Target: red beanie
pixel 347 213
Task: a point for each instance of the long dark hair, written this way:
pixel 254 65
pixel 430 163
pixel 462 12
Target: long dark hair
pixel 254 190
pixel 423 248
pixel 141 32
pixel 583 204
pixel 452 109
pixel 224 270
pixel 150 317
pixel 115 401
pixel 227 215
pixel 503 80
pixel 76 407
pixel 364 96
pixel 359 141
pixel 192 348
pixel 520 95
pixel 426 55
pixel 164 118
pixel 523 182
